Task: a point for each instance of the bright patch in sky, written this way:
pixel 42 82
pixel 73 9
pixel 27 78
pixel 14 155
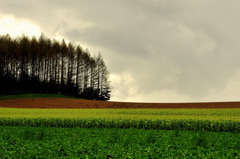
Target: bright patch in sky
pixel 16 27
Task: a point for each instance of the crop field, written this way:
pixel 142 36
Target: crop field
pixel 119 133
pixel 41 142
pixel 218 120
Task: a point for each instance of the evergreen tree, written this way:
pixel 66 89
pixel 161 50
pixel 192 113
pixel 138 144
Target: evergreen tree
pixel 45 66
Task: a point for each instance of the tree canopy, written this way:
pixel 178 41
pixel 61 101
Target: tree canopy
pixel 31 65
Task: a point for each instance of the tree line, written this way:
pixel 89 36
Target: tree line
pixel 42 65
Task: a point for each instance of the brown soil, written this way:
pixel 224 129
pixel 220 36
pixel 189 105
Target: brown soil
pixel 78 103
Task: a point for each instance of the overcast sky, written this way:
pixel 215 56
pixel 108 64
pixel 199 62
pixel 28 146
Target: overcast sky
pixel 156 50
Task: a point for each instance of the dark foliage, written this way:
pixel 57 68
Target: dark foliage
pixel 48 66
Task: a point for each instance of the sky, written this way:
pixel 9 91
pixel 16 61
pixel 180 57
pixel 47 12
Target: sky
pixel 156 50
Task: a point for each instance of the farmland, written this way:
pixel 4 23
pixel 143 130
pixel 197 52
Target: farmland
pixel 169 119
pixel 41 142
pixel 117 133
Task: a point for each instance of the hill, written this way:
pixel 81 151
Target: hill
pixel 68 103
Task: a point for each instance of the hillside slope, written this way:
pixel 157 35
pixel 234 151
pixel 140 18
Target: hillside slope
pixel 79 103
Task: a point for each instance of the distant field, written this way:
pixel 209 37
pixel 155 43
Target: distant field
pixel 132 114
pixel 169 119
pixel 65 102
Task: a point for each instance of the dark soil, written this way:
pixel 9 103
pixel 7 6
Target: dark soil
pixel 79 104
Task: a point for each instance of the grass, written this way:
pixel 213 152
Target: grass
pixel 41 142
pixel 17 96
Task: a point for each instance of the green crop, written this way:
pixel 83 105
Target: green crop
pixel 169 119
pixel 149 114
pixel 146 133
pixel 41 142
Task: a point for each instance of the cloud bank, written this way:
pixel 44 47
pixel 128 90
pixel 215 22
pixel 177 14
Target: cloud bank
pixel 157 51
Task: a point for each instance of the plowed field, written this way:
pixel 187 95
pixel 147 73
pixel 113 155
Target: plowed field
pixel 79 103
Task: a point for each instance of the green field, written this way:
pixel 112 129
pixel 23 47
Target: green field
pixel 218 120
pixel 119 133
pixel 41 142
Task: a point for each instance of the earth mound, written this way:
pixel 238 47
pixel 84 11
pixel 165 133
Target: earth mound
pixel 66 103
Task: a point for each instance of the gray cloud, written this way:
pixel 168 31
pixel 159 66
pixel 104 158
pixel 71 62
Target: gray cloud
pixel 156 50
